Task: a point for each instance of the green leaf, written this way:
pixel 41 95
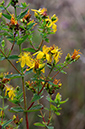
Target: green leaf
pixel 57 113
pixel 1 7
pixel 62 71
pixel 29 50
pixel 8 122
pixel 36 97
pixel 22 14
pixel 50 127
pixel 1 97
pixel 12 76
pixel 49 99
pixel 2 58
pixel 30 25
pixel 16 109
pixel 6 16
pixel 54 108
pixel 47 40
pixel 19 96
pixel 6 107
pixel 22 6
pixel 13 57
pixel 35 108
pixel 39 124
pixel 61 102
pixel 57 98
pixel 21 40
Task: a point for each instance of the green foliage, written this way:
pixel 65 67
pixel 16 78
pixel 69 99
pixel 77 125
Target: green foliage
pixel 6 16
pixel 21 15
pixel 8 122
pixel 34 60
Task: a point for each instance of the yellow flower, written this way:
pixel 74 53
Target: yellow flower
pixel 43 53
pixel 10 91
pixel 49 53
pixel 35 64
pixel 24 58
pixel 51 22
pixel 56 53
pixel 42 11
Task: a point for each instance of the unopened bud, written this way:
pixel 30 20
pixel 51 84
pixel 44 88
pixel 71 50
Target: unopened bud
pixel 17 88
pixel 14 117
pixel 68 57
pixel 0 14
pixel 1 75
pixel 21 120
pixel 77 57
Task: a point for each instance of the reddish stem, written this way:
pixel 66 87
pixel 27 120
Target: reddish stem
pixel 27 124
pixel 38 94
pixel 42 116
pixel 30 105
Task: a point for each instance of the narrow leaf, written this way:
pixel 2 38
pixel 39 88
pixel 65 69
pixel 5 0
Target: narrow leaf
pixel 1 97
pixel 4 125
pixel 21 40
pixel 6 16
pixel 50 127
pixel 36 97
pixel 39 124
pixel 29 50
pixel 13 57
pixel 12 76
pixel 35 108
pixel 30 25
pixel 2 58
pixel 6 107
pixel 22 14
pixel 16 109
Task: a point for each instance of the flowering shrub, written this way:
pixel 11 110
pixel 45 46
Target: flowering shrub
pixel 32 60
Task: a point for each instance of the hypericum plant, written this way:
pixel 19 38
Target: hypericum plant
pixel 33 60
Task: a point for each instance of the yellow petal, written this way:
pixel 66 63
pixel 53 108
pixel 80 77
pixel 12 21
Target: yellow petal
pixel 40 55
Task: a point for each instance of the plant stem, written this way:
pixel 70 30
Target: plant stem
pixel 40 45
pixel 24 94
pixel 43 116
pixel 2 106
pixel 10 62
pixel 25 105
pixel 27 124
pixel 60 70
pixel 12 46
pixel 49 113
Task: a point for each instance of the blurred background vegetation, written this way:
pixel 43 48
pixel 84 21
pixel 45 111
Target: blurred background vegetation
pixel 70 36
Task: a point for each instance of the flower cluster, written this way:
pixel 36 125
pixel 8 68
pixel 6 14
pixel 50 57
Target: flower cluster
pixel 36 59
pixel 50 22
pixel 49 54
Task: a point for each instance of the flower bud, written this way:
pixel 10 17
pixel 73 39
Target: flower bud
pixel 1 75
pixel 17 88
pixel 68 57
pixel 21 120
pixel 77 57
pixel 0 14
pixel 14 117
